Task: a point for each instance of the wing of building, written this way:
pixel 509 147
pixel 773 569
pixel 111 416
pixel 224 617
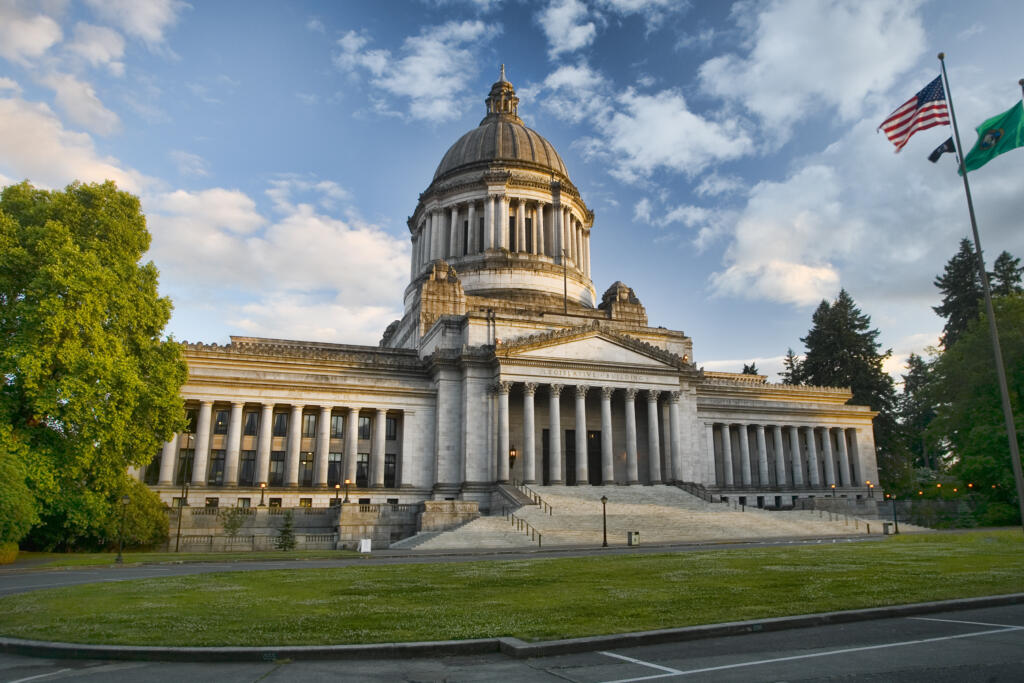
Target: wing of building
pixel 506 365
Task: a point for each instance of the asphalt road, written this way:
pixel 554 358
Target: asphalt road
pixel 970 645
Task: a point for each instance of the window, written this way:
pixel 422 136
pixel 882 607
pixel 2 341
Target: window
pixel 392 501
pixel 390 461
pixel 280 424
pixel 247 468
pixel 220 422
pixel 305 502
pixel 191 416
pixel 512 232
pixel 177 502
pixel 252 424
pixel 337 426
pixel 362 470
pixel 212 502
pixel 153 470
pixel 334 469
pixel 364 501
pixel 216 468
pixel 529 235
pixel 275 502
pixel 309 426
pixel 391 428
pixel 276 477
pixel 306 468
pixel 480 235
pixel 364 428
pixel 184 473
pixel 465 238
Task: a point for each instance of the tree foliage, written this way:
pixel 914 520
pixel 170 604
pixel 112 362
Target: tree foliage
pixel 1005 278
pixel 916 412
pixel 967 401
pixel 17 504
pixel 790 368
pixel 286 534
pixel 91 386
pixel 962 293
pixel 751 369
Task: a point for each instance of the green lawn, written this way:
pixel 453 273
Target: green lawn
pixel 56 560
pixel 530 599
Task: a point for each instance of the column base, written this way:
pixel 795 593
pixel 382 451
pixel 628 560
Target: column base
pixel 529 481
pixel 633 482
pixel 503 481
pixel 656 482
pixel 582 483
pixel 608 482
pixel 556 482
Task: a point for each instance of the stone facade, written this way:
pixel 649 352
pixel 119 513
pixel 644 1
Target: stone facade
pixel 503 367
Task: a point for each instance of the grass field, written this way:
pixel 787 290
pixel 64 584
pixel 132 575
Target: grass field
pixel 530 599
pixel 57 560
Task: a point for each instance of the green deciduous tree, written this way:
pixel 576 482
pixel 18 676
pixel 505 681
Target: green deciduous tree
pixel 969 412
pixel 843 351
pixel 17 504
pixel 91 384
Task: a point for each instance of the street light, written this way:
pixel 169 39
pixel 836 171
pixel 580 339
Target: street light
pixel 182 504
pixel 120 545
pixel 833 490
pixel 263 489
pixel 604 519
pixel 895 522
pixel 512 453
pixel 347 482
pixel 337 492
pixel 871 488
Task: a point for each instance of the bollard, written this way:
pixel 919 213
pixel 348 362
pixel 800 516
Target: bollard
pixel 869 528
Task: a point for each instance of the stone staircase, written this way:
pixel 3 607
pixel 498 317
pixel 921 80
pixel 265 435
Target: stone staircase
pixel 662 514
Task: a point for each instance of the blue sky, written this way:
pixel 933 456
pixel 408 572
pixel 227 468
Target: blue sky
pixel 729 151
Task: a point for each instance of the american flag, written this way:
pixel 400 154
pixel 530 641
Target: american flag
pixel 924 110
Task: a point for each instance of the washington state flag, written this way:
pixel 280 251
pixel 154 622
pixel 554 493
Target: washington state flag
pixel 997 135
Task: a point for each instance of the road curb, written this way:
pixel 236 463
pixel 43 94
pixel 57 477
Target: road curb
pixel 512 647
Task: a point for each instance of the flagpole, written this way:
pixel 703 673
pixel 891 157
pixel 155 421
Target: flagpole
pixel 1011 431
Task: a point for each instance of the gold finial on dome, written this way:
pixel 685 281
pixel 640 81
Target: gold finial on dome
pixel 502 77
pixel 502 99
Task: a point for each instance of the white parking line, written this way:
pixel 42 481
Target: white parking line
pixel 33 678
pixel 972 623
pixel 829 653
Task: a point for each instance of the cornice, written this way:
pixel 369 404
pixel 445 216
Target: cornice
pixel 254 347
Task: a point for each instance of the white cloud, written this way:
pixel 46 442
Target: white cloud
pixel 650 132
pixel 714 185
pixel 314 24
pixel 99 46
pixel 804 54
pixel 24 37
pixel 34 144
pixel 564 23
pixel 432 72
pixel 572 93
pixel 189 163
pixel 78 100
pixel 9 84
pixel 147 20
pixel 312 318
pixel 642 210
pixel 214 210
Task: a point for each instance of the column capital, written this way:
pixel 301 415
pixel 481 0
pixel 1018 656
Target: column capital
pixel 606 392
pixel 502 387
pixel 630 393
pixel 653 395
pixel 674 396
pixel 530 388
pixel 581 390
pixel 237 403
pixel 556 389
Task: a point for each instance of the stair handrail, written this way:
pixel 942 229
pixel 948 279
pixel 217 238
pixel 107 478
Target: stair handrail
pixel 524 526
pixel 535 497
pixel 696 489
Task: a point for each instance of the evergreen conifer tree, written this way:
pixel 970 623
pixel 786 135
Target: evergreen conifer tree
pixel 916 412
pixel 961 293
pixel 750 369
pixel 286 534
pixel 790 368
pixel 1005 278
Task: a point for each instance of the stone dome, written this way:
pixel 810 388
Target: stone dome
pixel 502 137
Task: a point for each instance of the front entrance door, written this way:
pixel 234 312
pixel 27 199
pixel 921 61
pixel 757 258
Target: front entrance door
pixel 545 458
pixel 570 457
pixel 594 457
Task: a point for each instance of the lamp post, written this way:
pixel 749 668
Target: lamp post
pixel 347 482
pixel 120 544
pixel 833 490
pixel 895 522
pixel 337 492
pixel 604 519
pixel 263 489
pixel 182 504
pixel 512 454
pixel 871 489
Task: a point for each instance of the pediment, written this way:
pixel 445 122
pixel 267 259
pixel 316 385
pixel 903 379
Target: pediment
pixel 590 345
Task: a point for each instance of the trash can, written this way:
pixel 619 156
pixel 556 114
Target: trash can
pixel 364 545
pixel 886 528
pixel 633 537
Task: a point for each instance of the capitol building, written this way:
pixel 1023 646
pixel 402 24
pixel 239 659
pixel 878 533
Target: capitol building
pixel 506 366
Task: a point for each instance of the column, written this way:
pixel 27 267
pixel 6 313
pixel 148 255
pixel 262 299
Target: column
pixel 529 435
pixel 168 459
pixel 555 434
pixel 858 473
pixel 794 446
pixel 503 388
pixel 557 244
pixel 432 235
pixel 323 445
pixel 570 243
pixel 673 422
pixel 607 457
pixel 455 238
pixel 812 458
pixel 709 437
pixel 844 459
pixel 653 438
pixel 780 459
pixel 472 247
pixel 579 246
pixel 234 445
pixel 291 458
pixel 351 443
pixel 826 453
pixel 412 259
pixel 727 455
pixel 404 476
pixel 632 468
pixel 582 472
pixel 538 224
pixel 377 452
pixel 586 253
pixel 744 454
pixel 503 214
pixel 202 443
pixel 521 226
pixel 762 456
pixel 488 223
pixel 263 443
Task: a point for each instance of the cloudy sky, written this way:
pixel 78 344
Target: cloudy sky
pixel 729 151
